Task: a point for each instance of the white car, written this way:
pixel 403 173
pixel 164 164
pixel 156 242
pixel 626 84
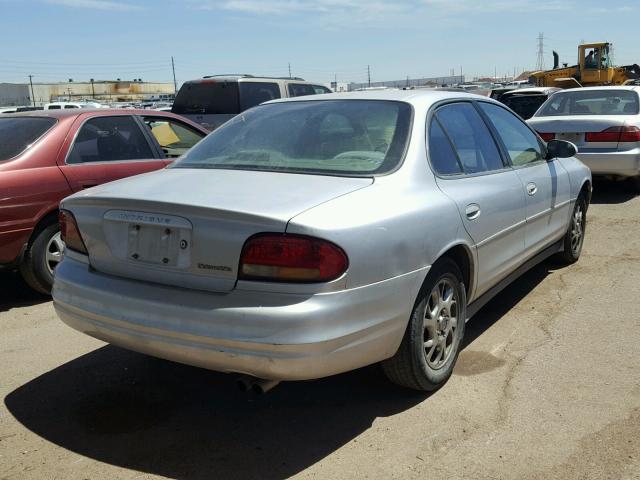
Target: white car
pixel 603 122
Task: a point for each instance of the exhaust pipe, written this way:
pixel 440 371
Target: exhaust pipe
pixel 258 386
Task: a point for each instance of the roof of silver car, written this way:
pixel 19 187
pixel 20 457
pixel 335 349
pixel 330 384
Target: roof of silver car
pixel 409 96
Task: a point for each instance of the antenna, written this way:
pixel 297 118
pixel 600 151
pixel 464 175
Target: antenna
pixel 540 61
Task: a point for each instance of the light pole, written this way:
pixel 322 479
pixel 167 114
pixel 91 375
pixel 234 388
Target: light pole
pixel 33 98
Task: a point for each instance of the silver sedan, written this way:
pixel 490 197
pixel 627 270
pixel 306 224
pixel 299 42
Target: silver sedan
pixel 312 236
pixel 604 122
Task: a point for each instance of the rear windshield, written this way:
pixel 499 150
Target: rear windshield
pixel 524 105
pixel 342 137
pixel 591 102
pixel 222 97
pixel 17 134
pixel 207 98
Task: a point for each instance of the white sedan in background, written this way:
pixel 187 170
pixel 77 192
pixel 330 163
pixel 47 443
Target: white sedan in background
pixel 603 122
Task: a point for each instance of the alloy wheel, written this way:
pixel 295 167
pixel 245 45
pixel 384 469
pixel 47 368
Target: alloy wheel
pixel 440 323
pixel 577 229
pixel 53 252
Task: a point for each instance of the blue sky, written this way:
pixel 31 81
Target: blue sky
pixel 105 39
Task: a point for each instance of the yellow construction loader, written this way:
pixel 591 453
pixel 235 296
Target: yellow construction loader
pixel 594 68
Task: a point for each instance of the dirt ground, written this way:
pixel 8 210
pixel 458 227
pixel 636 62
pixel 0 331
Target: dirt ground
pixel 547 387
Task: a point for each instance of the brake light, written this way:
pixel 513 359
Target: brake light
pixel 630 134
pixel 547 137
pixel 291 258
pixel 70 233
pixel 626 133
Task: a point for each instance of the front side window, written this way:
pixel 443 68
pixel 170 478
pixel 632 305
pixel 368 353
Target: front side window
pixel 104 139
pixel 520 142
pixel 174 137
pixel 470 137
pixel 300 89
pixel 320 89
pixel 255 93
pixel 341 137
pixel 19 133
pixel 591 102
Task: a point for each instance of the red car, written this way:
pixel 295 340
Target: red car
pixel 47 155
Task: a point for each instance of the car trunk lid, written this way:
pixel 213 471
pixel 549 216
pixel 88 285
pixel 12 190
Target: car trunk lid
pixel 186 227
pixel 579 131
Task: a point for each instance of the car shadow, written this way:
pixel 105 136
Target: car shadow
pixel 610 192
pixel 168 419
pixel 15 293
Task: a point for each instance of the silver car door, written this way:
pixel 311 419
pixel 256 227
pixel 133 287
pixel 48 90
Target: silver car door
pixel 470 170
pixel 546 184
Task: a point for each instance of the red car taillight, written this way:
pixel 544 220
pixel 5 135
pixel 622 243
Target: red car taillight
pixel 291 258
pixel 70 233
pixel 615 134
pixel 547 137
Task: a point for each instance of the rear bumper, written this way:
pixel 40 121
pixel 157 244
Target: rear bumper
pixel 267 335
pixel 623 164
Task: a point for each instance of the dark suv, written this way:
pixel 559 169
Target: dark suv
pixel 211 101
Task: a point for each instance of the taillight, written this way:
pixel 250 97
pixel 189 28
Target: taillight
pixel 291 258
pixel 547 137
pixel 626 133
pixel 630 134
pixel 70 233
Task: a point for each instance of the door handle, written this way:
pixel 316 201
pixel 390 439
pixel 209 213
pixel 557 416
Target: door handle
pixel 472 211
pixel 531 189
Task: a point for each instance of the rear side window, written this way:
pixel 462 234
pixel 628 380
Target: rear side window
pixel 18 134
pixel 53 107
pixel 443 158
pixel 521 143
pixel 207 98
pixel 104 139
pixel 470 137
pixel 255 93
pixel 591 102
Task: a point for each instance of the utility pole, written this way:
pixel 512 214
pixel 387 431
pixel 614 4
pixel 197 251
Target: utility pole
pixel 173 67
pixel 289 69
pixel 540 60
pixel 93 90
pixel 461 77
pixel 369 75
pixel 33 99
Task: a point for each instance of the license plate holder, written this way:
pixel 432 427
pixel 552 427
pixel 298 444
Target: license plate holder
pixel 156 239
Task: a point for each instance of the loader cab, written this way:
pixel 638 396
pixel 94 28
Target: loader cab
pixel 595 63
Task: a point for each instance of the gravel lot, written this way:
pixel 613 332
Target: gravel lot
pixel 548 386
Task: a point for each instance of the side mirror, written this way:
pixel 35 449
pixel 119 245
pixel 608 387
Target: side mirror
pixel 560 149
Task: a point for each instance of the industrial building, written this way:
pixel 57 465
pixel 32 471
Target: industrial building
pixel 101 90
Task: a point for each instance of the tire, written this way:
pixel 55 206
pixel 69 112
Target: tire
pixel 415 365
pixel 574 238
pixel 36 266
